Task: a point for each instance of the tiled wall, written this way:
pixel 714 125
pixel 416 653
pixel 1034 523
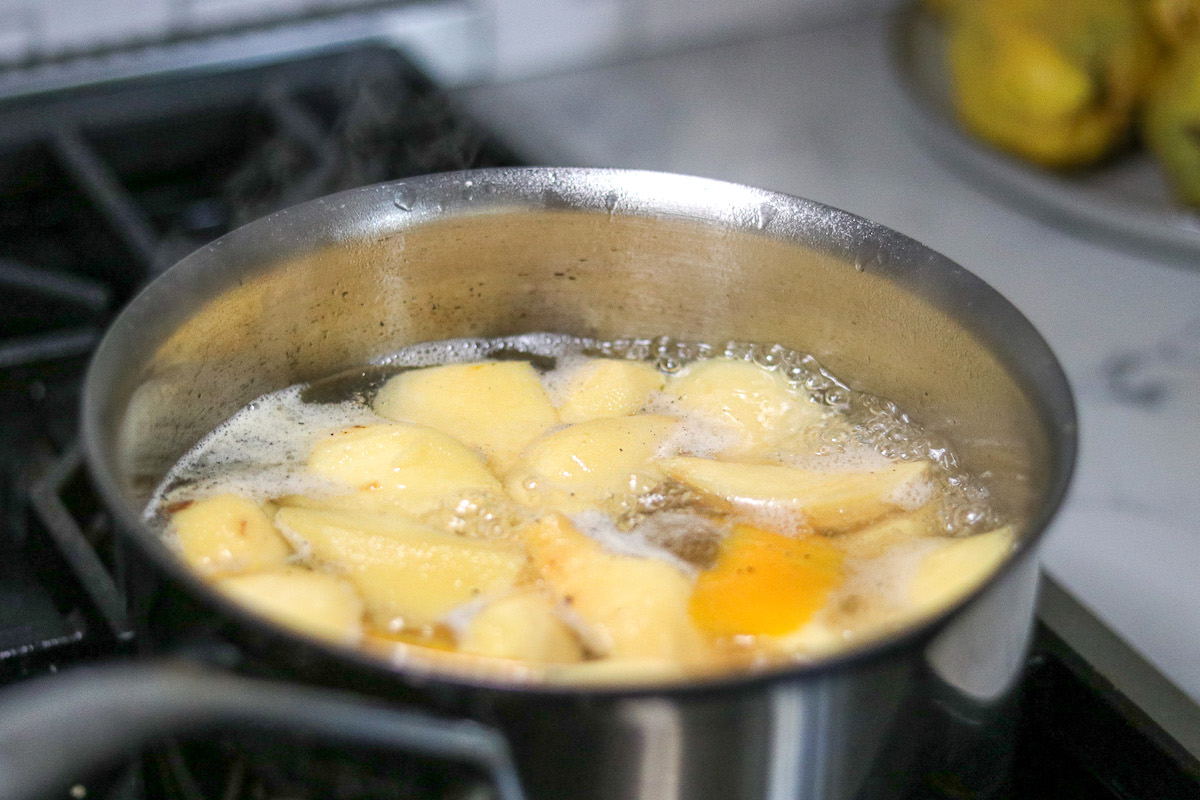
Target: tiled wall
pixel 523 36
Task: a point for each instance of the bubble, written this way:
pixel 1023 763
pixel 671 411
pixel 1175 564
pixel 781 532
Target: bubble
pixel 669 364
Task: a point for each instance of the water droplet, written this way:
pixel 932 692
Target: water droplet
pixel 769 358
pixel 610 202
pixel 764 216
pixel 403 200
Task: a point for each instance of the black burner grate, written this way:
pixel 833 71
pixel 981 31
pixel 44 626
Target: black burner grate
pixel 103 188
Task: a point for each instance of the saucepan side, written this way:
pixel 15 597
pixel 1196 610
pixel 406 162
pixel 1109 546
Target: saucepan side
pixel 336 282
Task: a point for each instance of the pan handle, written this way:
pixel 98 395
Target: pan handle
pixel 55 729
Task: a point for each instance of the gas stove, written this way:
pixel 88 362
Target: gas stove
pixel 104 186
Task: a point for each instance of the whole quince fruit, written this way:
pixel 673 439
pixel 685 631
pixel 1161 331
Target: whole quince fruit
pixel 1171 122
pixel 1053 82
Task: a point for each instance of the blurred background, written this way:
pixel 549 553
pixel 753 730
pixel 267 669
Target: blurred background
pixel 501 38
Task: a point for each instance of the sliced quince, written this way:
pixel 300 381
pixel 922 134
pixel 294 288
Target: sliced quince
pixel 879 537
pixel 626 607
pixel 826 501
pixel 409 574
pixel 765 583
pixel 227 534
pixel 753 403
pixel 313 602
pixel 956 567
pixel 523 626
pixel 588 465
pixel 1055 83
pixel 608 387
pixel 410 469
pixel 496 406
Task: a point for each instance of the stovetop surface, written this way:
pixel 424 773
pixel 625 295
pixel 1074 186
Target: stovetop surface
pixel 101 189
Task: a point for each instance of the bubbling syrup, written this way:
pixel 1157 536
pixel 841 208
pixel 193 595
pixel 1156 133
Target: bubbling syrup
pixel 261 452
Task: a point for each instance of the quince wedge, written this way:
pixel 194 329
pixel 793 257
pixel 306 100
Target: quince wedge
pixel 409 574
pixel 828 502
pixel 395 467
pixel 523 626
pixel 497 407
pixel 315 603
pixel 1055 83
pixel 626 608
pixel 755 405
pixel 957 566
pixel 607 387
pixel 878 538
pixel 226 534
pixel 591 464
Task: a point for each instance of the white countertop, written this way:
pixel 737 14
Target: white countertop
pixel 815 114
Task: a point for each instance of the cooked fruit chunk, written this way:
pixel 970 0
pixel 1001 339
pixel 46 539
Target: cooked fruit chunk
pixel 587 465
pixel 411 469
pixel 956 567
pixel 226 534
pixel 879 537
pixel 827 501
pixel 498 406
pixel 313 602
pixel 765 583
pixel 755 404
pixel 626 607
pixel 409 574
pixel 522 626
pixel 608 387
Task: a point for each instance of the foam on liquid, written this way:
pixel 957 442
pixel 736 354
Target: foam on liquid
pixel 261 453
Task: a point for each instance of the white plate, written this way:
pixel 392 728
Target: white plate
pixel 1125 201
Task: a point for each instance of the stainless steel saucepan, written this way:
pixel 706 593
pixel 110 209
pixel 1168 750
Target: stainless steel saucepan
pixel 331 284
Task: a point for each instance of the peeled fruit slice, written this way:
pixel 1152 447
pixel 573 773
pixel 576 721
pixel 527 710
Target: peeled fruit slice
pixel 827 501
pixel 498 407
pixel 522 626
pixel 626 607
pixel 607 387
pixel 312 602
pixel 227 534
pixel 583 466
pixel 765 583
pixel 409 574
pixel 411 469
pixel 956 567
pixel 757 404
pixel 878 538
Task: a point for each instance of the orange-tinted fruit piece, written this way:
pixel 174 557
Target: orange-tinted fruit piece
pixel 765 583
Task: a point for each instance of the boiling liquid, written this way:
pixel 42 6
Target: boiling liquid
pixel 261 453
